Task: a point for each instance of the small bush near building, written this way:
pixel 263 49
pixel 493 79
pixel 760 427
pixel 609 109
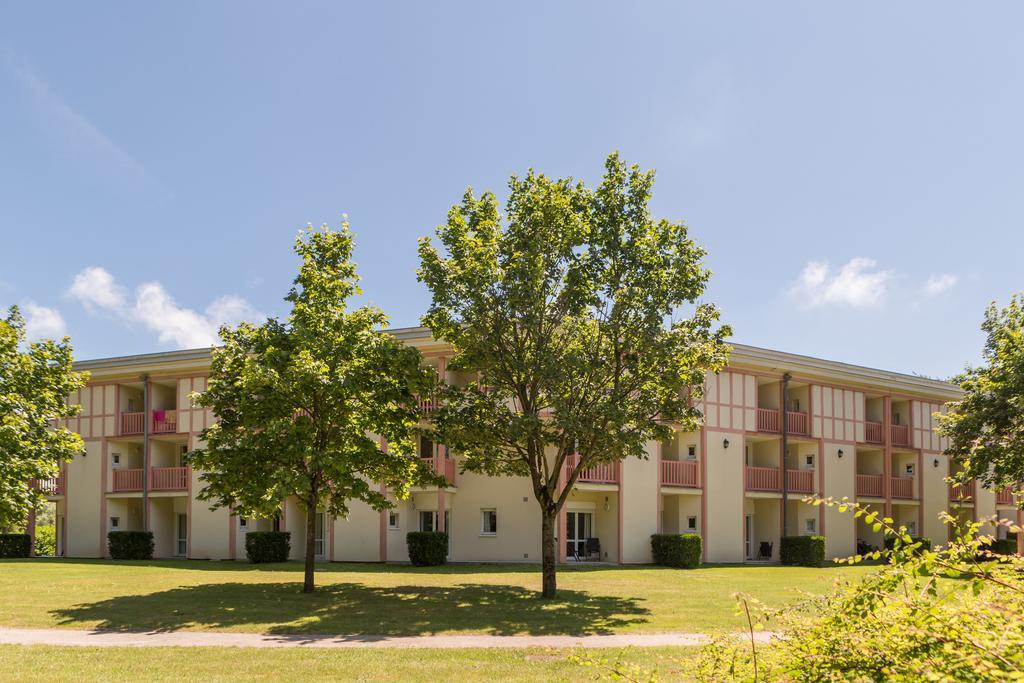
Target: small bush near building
pixel 676 550
pixel 46 540
pixel 1004 546
pixel 130 545
pixel 803 551
pixel 427 548
pixel 268 546
pixel 15 545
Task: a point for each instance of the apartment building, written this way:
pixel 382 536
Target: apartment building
pixel 855 432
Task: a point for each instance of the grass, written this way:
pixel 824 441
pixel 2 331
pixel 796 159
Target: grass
pixel 49 663
pixel 389 599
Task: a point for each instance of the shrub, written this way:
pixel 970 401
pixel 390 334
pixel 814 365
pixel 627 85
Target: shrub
pixel 268 546
pixel 15 545
pixel 130 545
pixel 676 550
pixel 46 540
pixel 427 548
pixel 803 551
pixel 1004 546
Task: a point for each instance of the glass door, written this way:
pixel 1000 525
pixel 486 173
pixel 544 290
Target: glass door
pixel 748 534
pixel 578 528
pixel 318 535
pixel 182 541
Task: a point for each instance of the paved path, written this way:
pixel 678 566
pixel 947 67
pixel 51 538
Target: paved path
pixel 69 637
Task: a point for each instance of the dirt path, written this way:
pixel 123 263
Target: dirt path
pixel 80 638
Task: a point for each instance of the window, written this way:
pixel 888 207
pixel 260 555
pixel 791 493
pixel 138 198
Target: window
pixel 910 469
pixel 488 522
pixel 691 523
pixel 242 522
pixel 912 528
pixel 392 519
pixel 810 525
pixel 691 452
pixel 809 460
pixel 115 458
pixel 115 522
pixel 796 405
pixel 427 520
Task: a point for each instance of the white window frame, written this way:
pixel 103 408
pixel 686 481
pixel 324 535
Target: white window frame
pixel 693 526
pixel 909 469
pixel 485 516
pixel 809 460
pixel 115 523
pixel 810 525
pixel 115 458
pixel 243 523
pixel 691 452
pixel 912 528
pixel 394 520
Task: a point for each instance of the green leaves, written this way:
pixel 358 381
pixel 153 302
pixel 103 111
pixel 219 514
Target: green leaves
pixel 35 382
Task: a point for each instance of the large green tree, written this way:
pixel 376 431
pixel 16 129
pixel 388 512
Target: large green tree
pixel 301 403
pixel 986 426
pixel 568 312
pixel 36 380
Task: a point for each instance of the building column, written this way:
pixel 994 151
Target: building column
pixel 887 454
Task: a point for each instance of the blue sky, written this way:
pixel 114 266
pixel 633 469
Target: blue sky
pixel 854 172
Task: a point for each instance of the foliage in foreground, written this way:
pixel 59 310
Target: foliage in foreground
pixel 955 613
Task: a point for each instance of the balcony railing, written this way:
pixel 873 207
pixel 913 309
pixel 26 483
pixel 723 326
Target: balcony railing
pixel 873 432
pixel 902 487
pixel 127 480
pixel 800 481
pixel 427 404
pixel 869 485
pixel 445 468
pixel 169 479
pixel 680 473
pixel 1005 496
pixel 961 492
pixel 763 478
pixel 132 423
pixel 164 422
pixel 900 435
pixel 54 486
pixel 768 421
pixel 604 473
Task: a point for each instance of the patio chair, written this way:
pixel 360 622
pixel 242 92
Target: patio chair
pixel 765 551
pixel 593 548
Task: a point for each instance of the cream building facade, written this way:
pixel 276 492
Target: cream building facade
pixel 854 432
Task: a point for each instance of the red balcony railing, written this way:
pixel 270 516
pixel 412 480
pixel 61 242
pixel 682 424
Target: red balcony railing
pixel 427 404
pixel 132 423
pixel 54 486
pixel 1005 496
pixel 680 473
pixel 873 432
pixel 168 478
pixel 900 435
pixel 768 420
pixel 902 487
pixel 961 492
pixel 800 481
pixel 165 421
pixel 604 473
pixel 796 422
pixel 127 480
pixel 869 485
pixel 446 468
pixel 763 478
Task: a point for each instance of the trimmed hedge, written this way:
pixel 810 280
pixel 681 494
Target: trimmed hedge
pixel 803 551
pixel 130 545
pixel 268 546
pixel 15 545
pixel 427 548
pixel 1004 546
pixel 676 550
pixel 926 543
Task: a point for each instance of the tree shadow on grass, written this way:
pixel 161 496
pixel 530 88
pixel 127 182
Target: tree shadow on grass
pixel 354 609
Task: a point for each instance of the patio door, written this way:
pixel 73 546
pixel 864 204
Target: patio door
pixel 748 536
pixel 181 545
pixel 318 536
pixel 578 528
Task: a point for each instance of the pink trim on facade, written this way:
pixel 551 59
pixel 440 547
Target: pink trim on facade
pixel 703 494
pixel 103 501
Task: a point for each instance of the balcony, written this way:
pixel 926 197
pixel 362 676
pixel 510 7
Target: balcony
pixel 869 485
pixel 54 486
pixel 873 432
pixel 684 473
pixel 900 435
pixel 445 468
pixel 768 421
pixel 768 479
pixel 961 492
pixel 1005 496
pixel 164 422
pixel 160 479
pixel 604 473
pixel 902 487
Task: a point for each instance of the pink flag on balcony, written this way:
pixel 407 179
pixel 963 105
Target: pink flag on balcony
pixel 159 415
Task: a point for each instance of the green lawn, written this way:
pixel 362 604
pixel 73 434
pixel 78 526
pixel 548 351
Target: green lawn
pixel 46 663
pixel 388 599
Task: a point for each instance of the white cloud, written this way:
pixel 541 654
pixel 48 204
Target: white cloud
pixel 43 323
pixel 156 309
pixel 937 284
pixel 858 283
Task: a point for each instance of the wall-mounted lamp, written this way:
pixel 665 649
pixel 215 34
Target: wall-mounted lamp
pixel 725 443
pixel 840 453
pixel 935 463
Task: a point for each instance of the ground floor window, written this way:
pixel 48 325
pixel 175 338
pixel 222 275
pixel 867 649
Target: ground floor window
pixel 691 523
pixel 318 535
pixel 115 523
pixel 392 519
pixel 488 522
pixel 182 542
pixel 578 528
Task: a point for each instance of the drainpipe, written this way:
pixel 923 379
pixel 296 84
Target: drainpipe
pixel 145 453
pixel 785 433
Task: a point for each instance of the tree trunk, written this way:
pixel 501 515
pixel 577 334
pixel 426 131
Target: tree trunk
pixel 549 555
pixel 308 585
